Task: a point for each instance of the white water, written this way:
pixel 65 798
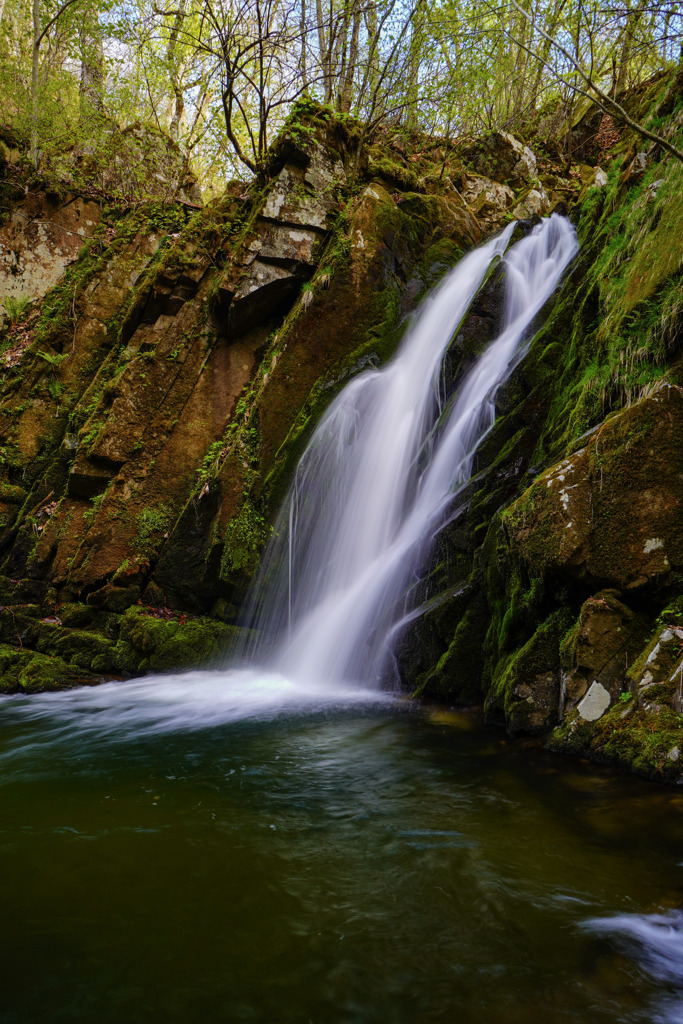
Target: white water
pixel 376 483
pixel 382 472
pixel 655 943
pixel 182 702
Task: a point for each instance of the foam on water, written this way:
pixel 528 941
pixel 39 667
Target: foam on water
pixel 655 943
pixel 180 702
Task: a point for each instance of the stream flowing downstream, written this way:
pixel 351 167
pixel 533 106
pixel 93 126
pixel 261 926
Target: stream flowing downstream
pixel 286 841
pixel 332 862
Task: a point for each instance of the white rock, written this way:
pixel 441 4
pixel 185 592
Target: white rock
pixel 673 754
pixel 487 197
pixel 535 204
pixel 595 703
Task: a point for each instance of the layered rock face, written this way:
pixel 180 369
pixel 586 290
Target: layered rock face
pixel 155 399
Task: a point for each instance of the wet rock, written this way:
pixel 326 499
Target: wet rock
pixel 535 204
pixel 26 671
pixel 660 665
pixel 598 647
pixel 536 708
pixel 595 703
pixel 488 199
pixel 610 513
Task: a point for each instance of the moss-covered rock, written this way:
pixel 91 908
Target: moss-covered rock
pixel 89 645
pixel 150 644
pixel 25 671
pixel 610 512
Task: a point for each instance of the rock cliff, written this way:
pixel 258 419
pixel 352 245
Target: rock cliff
pixel 166 373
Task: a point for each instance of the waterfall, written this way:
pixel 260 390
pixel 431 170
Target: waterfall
pixel 382 473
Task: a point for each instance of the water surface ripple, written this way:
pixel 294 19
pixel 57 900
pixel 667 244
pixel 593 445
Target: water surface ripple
pixel 325 858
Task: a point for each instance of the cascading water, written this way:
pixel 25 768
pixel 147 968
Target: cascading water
pixel 379 479
pixel 344 866
pixel 382 473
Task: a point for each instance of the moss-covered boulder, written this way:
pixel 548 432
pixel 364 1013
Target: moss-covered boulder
pixel 25 672
pixel 611 512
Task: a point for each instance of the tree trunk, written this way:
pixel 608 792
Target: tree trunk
pixel 373 42
pixel 551 28
pixel 414 57
pixel 521 58
pixel 323 49
pixel 35 59
pixel 176 84
pixel 92 59
pixel 339 53
pixel 346 97
pixel 302 64
pixel 632 20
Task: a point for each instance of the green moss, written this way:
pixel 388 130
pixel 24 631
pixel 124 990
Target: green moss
pixel 25 671
pixel 456 677
pixel 11 494
pixel 516 693
pixel 629 735
pixel 159 645
pixel 245 537
pixel 393 172
pixel 618 324
pixel 89 516
pixel 151 524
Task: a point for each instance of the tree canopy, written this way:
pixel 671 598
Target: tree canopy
pixel 217 78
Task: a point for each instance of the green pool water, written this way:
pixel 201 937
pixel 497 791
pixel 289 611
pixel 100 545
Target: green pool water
pixel 319 862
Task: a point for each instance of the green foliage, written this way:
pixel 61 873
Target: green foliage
pixel 91 513
pixel 15 307
pixel 55 389
pixel 122 569
pixel 52 358
pixel 211 460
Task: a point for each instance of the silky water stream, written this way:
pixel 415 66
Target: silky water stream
pixel 290 842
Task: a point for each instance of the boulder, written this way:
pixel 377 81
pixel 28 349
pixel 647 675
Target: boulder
pixel 596 651
pixel 140 160
pixel 536 203
pixel 595 703
pixel 487 199
pixel 610 514
pixel 500 155
pixel 660 665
